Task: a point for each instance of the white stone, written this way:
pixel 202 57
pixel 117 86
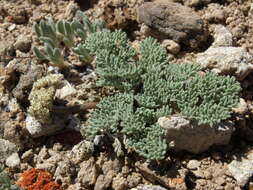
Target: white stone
pixel 13 161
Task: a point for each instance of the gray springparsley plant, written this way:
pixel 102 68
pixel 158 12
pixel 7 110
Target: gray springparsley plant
pixel 151 88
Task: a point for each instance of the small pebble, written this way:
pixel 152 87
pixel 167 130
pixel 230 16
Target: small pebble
pixel 193 164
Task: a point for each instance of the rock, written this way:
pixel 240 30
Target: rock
pixel 23 43
pixel 88 173
pixel 71 10
pixel 171 46
pixel 242 171
pixel 227 60
pixel 76 186
pixel 12 27
pixel 43 154
pixel 63 172
pixel 133 179
pixel 222 37
pixel 198 173
pixel 167 21
pixel 55 159
pixel 196 3
pixel 6 48
pixel 118 14
pixel 28 74
pixel 27 155
pixel 215 13
pixel 36 129
pixel 6 149
pixel 220 180
pixel 65 91
pixel 47 167
pixel 80 152
pixel 242 107
pixel 13 124
pixel 104 181
pixel 182 135
pixel 148 187
pixel 119 183
pixel 193 164
pixel 13 161
pixel 57 147
pixel 229 187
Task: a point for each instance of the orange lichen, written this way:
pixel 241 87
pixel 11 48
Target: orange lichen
pixel 36 179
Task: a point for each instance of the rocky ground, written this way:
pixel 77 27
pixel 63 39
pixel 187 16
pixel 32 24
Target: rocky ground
pixel 216 34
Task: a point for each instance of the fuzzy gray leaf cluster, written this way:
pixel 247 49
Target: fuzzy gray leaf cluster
pixel 150 88
pixel 53 33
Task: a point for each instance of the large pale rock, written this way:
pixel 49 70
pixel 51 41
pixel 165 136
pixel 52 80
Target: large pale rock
pixel 182 135
pixel 227 60
pixel 167 20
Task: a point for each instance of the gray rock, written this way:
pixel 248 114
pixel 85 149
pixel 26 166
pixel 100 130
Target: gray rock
pixel 171 46
pixel 12 124
pixel 13 161
pixel 23 43
pixel 80 152
pixel 215 13
pixel 133 179
pixel 182 135
pixel 63 172
pixel 196 3
pixel 28 75
pixel 167 21
pixel 65 91
pixel 148 187
pixel 47 167
pixel 27 155
pixel 71 10
pixel 104 180
pixel 242 171
pixel 119 183
pixel 227 60
pixel 193 164
pixel 242 107
pixel 43 154
pixel 88 173
pixel 222 37
pixel 7 148
pixel 36 129
pixel 6 48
